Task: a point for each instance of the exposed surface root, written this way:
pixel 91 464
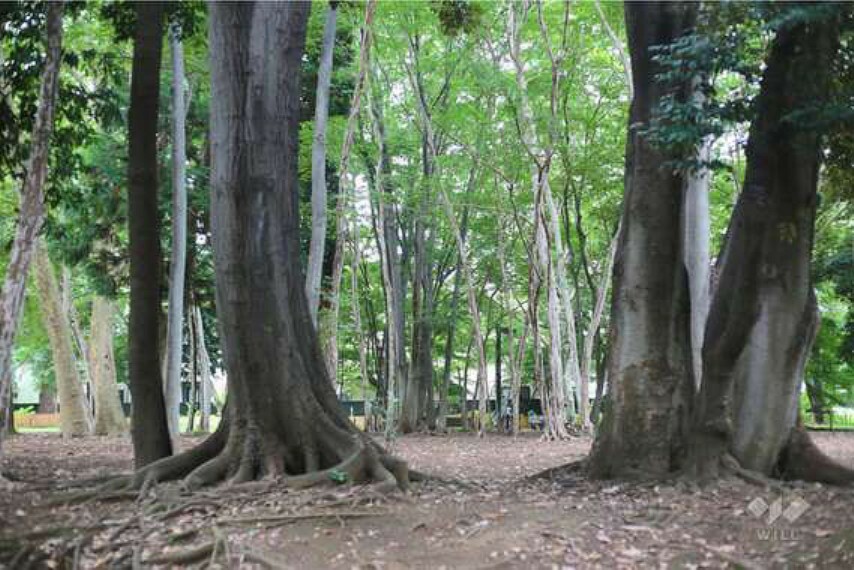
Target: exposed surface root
pixel 242 460
pixel 802 459
pixel 560 472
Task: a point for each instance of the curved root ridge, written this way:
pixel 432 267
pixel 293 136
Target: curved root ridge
pixel 220 462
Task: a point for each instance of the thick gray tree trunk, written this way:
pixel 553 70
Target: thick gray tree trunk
pixel 283 418
pixel 74 416
pixel 645 425
pixel 31 216
pixel 178 261
pixel 109 417
pixel 763 317
pixel 314 271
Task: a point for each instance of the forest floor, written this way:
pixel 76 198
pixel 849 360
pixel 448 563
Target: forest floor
pixel 484 514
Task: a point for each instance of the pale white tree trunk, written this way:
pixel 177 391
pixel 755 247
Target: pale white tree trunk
pixel 314 271
pixel 177 267
pixel 74 416
pixel 82 353
pixel 596 318
pixel 329 331
pixel 696 235
pixel 516 356
pixel 541 159
pixel 31 216
pixel 204 369
pixel 109 417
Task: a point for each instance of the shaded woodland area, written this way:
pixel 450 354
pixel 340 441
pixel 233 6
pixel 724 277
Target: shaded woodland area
pixel 256 256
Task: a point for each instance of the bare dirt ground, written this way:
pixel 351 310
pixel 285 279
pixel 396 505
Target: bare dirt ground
pixel 484 514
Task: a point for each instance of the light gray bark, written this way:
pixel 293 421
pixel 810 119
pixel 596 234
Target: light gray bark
pixel 31 216
pixel 329 328
pixel 109 417
pixel 697 233
pixel 178 263
pixel 206 392
pixel 74 415
pixel 314 271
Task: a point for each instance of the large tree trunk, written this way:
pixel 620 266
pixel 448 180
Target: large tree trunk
pixel 178 261
pixel 31 216
pixel 74 417
pixel 109 417
pixel 150 432
pixel 283 418
pixel 651 387
pixel 763 317
pixel 317 244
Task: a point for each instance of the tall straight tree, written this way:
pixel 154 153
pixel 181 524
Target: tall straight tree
pixel 763 317
pixel 649 360
pixel 283 418
pixel 150 433
pixel 31 216
pixel 314 271
pixel 178 262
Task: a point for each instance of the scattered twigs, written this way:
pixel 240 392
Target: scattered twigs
pixel 186 556
pixel 275 520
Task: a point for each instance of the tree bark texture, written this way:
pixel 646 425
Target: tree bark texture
pixel 314 271
pixel 283 418
pixel 150 432
pixel 31 215
pixel 763 317
pixel 109 417
pixel 74 417
pixel 646 422
pixel 178 260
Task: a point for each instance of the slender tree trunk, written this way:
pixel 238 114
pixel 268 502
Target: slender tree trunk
pixel 283 418
pixel 150 431
pixel 204 371
pixel 763 317
pixel 357 317
pixel 696 224
pixel 109 417
pixel 474 311
pixel 314 270
pixel 73 407
pixel 593 331
pixel 178 264
pixel 441 421
pixel 329 330
pixel 650 373
pixel 83 355
pixel 192 372
pixel 31 215
pixel 392 273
